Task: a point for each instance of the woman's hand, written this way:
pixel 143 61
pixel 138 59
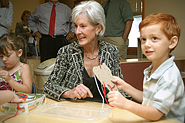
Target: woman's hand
pixel 28 34
pixel 80 91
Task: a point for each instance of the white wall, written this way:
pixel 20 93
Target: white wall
pixel 175 8
pixel 19 6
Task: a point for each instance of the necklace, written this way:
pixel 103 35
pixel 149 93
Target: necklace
pixel 90 57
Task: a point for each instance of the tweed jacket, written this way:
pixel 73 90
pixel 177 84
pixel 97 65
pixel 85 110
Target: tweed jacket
pixel 69 66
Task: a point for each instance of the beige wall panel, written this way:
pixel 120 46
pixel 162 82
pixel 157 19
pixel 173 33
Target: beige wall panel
pixel 19 6
pixel 175 8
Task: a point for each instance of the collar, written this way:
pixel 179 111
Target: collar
pixel 52 3
pixel 160 70
pixel 77 53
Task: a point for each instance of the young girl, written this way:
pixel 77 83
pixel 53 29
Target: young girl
pixel 15 75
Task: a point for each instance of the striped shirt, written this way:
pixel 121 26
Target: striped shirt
pixel 42 14
pixel 164 90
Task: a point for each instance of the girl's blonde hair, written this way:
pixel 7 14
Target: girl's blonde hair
pixel 13 42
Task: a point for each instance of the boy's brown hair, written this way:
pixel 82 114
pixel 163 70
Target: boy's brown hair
pixel 169 25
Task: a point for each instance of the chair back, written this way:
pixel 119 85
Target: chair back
pixel 33 88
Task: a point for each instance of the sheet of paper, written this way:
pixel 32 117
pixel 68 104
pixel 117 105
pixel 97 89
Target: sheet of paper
pixel 104 75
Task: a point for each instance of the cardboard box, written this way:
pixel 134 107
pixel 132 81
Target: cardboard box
pixel 26 107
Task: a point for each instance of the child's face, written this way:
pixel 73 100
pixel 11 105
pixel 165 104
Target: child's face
pixel 10 59
pixel 154 43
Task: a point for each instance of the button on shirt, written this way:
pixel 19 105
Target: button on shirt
pixel 42 14
pixel 164 90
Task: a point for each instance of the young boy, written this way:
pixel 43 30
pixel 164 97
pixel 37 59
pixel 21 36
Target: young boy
pixel 163 88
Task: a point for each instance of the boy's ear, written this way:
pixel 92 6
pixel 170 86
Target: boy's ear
pixel 20 52
pixel 173 42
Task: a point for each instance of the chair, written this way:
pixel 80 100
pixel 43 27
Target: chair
pixel 33 88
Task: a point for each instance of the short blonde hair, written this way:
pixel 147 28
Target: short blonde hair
pixel 93 11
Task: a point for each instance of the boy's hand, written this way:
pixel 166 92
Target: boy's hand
pixel 119 82
pixel 116 99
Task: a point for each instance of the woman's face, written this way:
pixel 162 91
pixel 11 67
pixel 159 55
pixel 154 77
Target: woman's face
pixel 86 31
pixel 26 16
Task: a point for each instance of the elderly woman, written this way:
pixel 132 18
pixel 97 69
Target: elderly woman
pixel 23 30
pixel 72 76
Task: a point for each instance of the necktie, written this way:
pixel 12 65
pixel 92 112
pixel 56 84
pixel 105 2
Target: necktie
pixel 52 22
pixel 106 8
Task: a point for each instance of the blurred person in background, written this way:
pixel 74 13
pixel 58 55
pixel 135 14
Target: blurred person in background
pixel 23 29
pixel 6 18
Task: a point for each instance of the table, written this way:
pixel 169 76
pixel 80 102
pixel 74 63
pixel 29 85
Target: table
pixel 122 116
